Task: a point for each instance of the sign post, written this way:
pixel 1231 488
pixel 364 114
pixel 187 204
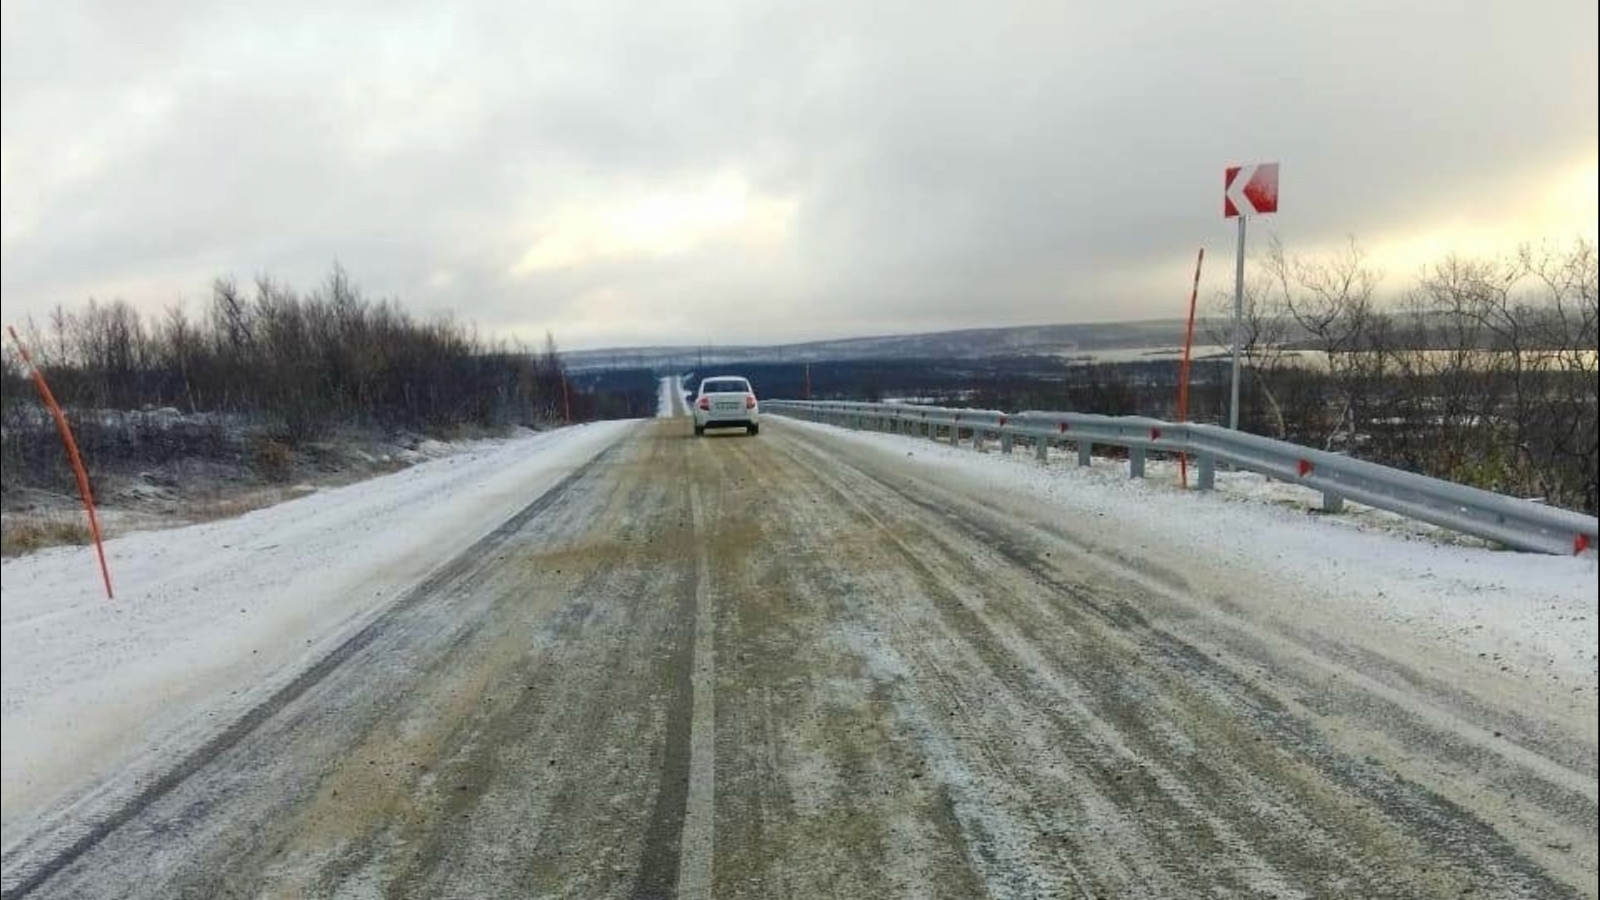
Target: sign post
pixel 65 430
pixel 1183 368
pixel 1246 191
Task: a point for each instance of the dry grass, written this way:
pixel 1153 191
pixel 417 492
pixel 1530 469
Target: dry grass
pixel 203 497
pixel 26 532
pixel 227 506
pixel 273 459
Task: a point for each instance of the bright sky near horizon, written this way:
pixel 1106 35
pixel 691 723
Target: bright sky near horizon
pixel 717 171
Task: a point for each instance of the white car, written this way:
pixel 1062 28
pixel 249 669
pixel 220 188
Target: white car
pixel 726 401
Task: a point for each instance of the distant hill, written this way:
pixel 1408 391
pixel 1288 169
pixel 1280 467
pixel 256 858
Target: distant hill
pixel 973 343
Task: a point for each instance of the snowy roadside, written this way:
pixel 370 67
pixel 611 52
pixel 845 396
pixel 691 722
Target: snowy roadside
pixel 237 473
pixel 1534 614
pixel 211 618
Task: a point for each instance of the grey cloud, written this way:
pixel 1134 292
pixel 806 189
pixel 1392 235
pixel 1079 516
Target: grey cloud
pixel 953 165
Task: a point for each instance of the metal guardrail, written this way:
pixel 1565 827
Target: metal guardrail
pixel 1520 524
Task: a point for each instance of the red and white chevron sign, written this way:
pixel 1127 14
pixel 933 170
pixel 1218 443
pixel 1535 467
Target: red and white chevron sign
pixel 1250 190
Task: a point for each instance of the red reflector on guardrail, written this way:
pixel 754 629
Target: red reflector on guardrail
pixel 1580 544
pixel 1061 427
pixel 1155 434
pixel 1305 467
pixel 1002 421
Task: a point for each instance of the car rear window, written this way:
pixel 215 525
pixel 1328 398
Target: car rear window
pixel 725 386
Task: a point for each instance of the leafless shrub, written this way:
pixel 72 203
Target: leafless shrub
pixel 292 364
pixel 1483 372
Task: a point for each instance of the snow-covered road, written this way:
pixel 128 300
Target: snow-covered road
pixel 820 663
pixel 210 618
pixel 1533 614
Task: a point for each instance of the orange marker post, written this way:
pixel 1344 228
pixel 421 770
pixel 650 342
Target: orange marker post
pixel 72 456
pixel 1183 369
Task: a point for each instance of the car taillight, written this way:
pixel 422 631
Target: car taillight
pixel 749 401
pixel 705 403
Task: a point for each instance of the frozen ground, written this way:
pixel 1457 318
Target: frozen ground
pixel 1534 614
pixel 209 618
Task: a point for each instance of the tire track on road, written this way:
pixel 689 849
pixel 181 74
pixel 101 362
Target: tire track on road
pixel 678 852
pixel 699 831
pixel 23 875
pixel 952 523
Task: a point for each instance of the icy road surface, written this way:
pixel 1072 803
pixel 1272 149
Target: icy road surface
pixel 809 664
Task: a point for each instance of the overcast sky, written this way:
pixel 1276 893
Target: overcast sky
pixel 639 172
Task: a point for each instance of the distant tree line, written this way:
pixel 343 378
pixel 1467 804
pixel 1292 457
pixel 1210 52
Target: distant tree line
pixel 303 362
pixel 289 366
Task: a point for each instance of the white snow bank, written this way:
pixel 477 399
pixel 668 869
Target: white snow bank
pixel 211 618
pixel 1534 613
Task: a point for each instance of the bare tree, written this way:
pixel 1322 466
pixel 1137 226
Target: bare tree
pixel 1265 328
pixel 1331 300
pixel 1567 332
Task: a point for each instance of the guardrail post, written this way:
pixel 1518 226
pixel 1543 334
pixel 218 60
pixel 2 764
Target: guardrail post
pixel 1005 443
pixel 955 434
pixel 1041 449
pixel 1332 503
pixel 1208 472
pixel 1085 453
pixel 977 438
pixel 1135 462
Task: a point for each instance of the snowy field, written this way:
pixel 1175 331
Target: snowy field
pixel 1534 614
pixel 210 618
